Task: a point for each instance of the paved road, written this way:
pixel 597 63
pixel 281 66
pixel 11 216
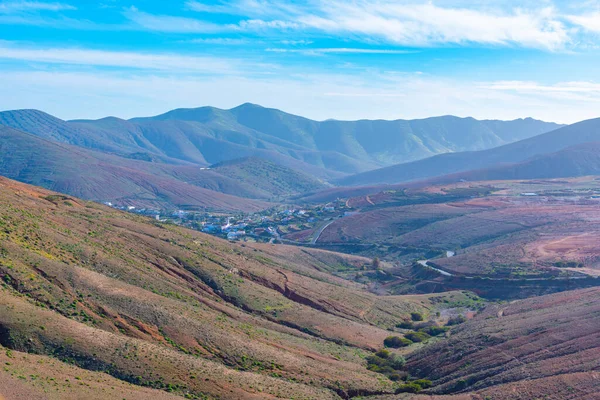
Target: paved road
pixel 320 231
pixel 425 263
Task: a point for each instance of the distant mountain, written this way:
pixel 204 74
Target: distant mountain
pixel 328 149
pixel 98 176
pixel 445 164
pixel 580 160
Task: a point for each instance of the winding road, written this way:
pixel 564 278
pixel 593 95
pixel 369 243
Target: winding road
pixel 449 254
pixel 320 231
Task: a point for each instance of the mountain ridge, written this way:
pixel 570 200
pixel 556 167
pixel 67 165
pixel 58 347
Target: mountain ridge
pixel 444 164
pixel 328 149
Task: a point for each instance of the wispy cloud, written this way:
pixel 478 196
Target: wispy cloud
pixel 339 50
pixel 166 23
pixel 300 42
pixel 172 63
pixel 563 87
pixel 221 41
pixel 407 23
pixel 247 8
pixel 589 21
pixel 429 24
pixel 20 6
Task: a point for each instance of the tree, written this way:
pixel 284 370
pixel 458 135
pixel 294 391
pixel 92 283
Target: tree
pixel 376 263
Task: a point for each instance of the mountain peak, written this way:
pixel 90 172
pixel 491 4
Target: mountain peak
pixel 248 106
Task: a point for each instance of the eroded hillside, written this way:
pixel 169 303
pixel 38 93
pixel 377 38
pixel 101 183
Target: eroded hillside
pixel 162 307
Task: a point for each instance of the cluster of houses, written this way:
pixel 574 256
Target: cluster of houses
pixel 263 226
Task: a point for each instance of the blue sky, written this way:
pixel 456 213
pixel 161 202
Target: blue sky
pixel 317 58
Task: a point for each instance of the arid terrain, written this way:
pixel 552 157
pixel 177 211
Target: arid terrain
pixel 167 308
pixel 116 303
pixel 507 228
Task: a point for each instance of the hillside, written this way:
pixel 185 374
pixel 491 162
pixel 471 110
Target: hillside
pixel 105 297
pixel 502 240
pixel 551 142
pixel 268 177
pixel 546 346
pixel 103 177
pixel 580 160
pixel 327 149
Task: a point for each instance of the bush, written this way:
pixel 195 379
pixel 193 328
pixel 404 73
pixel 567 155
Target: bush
pixel 460 385
pixel 415 316
pixel 383 353
pixel 377 361
pixel 424 383
pixel 405 325
pixel 568 264
pixel 410 387
pixel 434 330
pixel 396 362
pixel 456 320
pixel 417 337
pixel 395 377
pixel 385 363
pixel 396 342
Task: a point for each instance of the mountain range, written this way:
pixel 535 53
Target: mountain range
pixel 209 135
pixel 225 159
pixel 500 158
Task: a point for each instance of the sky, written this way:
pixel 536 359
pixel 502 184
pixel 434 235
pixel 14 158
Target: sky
pixel 322 59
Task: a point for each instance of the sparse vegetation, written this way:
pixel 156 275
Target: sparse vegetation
pixel 386 362
pixel 459 319
pixel 415 316
pixel 417 337
pixel 396 342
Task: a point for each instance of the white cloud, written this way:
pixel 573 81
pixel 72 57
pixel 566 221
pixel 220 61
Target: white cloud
pixel 20 6
pixel 208 8
pixel 428 24
pixel 339 50
pixel 166 23
pixel 220 41
pixel 130 60
pixel 296 42
pixel 409 23
pixel 247 8
pixel 590 21
pixel 563 87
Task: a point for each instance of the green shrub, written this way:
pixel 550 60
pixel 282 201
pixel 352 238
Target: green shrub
pixel 424 383
pixel 417 337
pixel 568 264
pixel 383 353
pixel 460 385
pixel 456 320
pixel 395 377
pixel 410 387
pixel 385 363
pixel 396 342
pixel 434 330
pixel 415 316
pixel 396 362
pixel 405 325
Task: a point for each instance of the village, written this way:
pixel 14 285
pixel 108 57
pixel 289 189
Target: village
pixel 266 226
